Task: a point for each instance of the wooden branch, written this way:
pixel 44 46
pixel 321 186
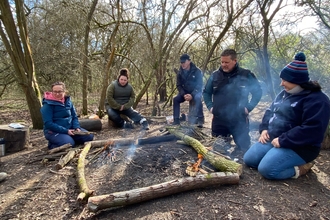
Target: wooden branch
pixel 85 192
pixel 66 159
pixel 54 156
pixel 219 162
pixel 96 203
pixel 124 141
pixel 60 148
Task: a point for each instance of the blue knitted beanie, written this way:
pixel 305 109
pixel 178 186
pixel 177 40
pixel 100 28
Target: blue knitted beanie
pixel 296 72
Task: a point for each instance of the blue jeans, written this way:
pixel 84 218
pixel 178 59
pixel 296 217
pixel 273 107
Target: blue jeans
pixel 271 162
pixel 195 113
pixel 114 115
pixel 57 139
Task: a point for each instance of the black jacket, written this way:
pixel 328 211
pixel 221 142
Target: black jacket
pixel 190 83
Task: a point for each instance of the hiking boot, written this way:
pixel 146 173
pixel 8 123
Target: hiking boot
pixel 176 121
pixel 145 125
pixel 3 176
pixel 128 125
pixel 303 169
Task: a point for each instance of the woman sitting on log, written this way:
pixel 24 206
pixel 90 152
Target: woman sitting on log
pixel 292 129
pixel 60 119
pixel 120 99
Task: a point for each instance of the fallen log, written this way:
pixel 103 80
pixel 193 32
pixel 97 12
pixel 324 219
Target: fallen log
pixel 85 192
pixel 66 159
pixel 96 203
pixel 60 148
pixel 123 141
pixel 219 162
pixel 91 124
pixel 157 139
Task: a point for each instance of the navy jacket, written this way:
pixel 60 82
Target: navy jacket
pixel 58 117
pixel 228 93
pixel 299 121
pixel 191 83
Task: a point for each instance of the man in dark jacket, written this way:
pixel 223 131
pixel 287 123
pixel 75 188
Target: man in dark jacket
pixel 226 95
pixel 189 84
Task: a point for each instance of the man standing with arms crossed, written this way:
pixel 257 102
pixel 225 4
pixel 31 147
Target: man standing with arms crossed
pixel 226 95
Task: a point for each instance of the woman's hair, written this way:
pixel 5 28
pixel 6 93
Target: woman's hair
pixel 123 72
pixel 313 86
pixel 58 84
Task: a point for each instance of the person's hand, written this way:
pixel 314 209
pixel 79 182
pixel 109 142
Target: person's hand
pixel 121 108
pixel 211 110
pixel 264 137
pixel 276 143
pixel 70 132
pixel 187 97
pixel 246 111
pixel 78 129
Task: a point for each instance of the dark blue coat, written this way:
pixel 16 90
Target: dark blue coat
pixel 190 83
pixel 299 121
pixel 58 117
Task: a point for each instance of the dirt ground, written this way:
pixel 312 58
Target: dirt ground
pixel 35 190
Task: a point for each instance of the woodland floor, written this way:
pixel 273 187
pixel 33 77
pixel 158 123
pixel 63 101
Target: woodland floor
pixel 33 191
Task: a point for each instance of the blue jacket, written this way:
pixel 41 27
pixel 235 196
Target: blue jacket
pixel 299 121
pixel 191 83
pixel 58 117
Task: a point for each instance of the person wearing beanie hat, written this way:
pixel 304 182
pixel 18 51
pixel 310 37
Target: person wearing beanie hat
pixel 296 72
pixel 189 82
pixel 293 127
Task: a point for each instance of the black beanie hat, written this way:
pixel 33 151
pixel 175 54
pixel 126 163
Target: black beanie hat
pixel 296 72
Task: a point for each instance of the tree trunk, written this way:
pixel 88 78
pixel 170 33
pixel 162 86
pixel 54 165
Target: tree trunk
pixel 326 141
pixel 18 48
pixel 219 162
pixel 97 203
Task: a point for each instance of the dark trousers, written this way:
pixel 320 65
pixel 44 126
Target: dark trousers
pixel 114 115
pixel 57 139
pixel 238 129
pixel 195 108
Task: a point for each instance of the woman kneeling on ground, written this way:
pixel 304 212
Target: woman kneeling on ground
pixel 292 129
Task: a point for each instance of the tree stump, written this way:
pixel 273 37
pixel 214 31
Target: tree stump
pixel 91 124
pixel 15 138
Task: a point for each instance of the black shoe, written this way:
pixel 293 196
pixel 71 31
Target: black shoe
pixel 128 125
pixel 145 125
pixel 176 121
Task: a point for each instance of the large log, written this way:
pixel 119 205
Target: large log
pixel 96 203
pixel 219 162
pixel 85 192
pixel 15 138
pixel 91 124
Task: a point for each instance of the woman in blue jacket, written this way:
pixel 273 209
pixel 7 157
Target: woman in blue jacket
pixel 293 128
pixel 60 119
